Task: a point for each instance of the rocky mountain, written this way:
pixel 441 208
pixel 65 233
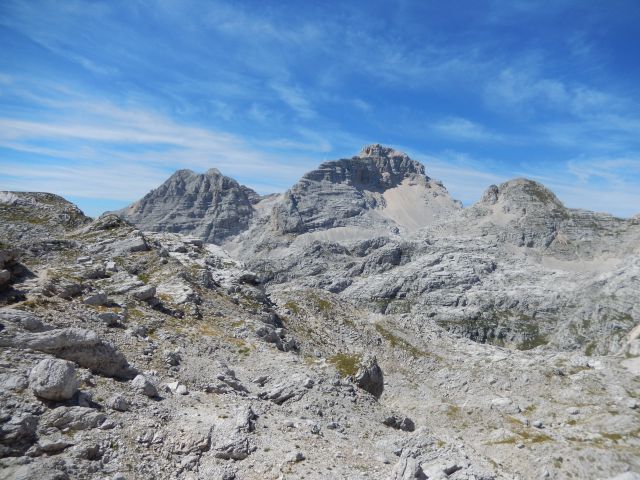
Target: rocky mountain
pixel 378 189
pixel 209 205
pixel 361 325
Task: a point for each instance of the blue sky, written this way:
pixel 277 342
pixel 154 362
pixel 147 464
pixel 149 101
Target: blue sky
pixel 101 101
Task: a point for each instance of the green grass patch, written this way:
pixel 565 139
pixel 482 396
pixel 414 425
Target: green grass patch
pixel 397 342
pixel 292 307
pixel 346 364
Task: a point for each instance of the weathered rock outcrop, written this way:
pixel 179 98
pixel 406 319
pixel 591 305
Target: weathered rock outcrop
pixel 78 345
pixel 24 215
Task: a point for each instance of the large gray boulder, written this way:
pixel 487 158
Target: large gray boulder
pixel 78 345
pixel 54 379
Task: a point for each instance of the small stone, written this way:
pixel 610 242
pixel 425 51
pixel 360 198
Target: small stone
pixel 182 390
pixel 405 423
pixel 96 299
pixel 308 383
pixel 295 457
pixel 143 385
pixel 260 380
pixel 146 292
pixel 173 359
pixel 119 403
pixel 538 424
pixel 85 399
pixel 110 319
pixel 573 411
pixel 108 425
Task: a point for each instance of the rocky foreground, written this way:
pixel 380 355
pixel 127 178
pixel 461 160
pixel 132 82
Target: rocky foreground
pixel 361 325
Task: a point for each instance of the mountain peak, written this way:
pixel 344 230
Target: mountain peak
pixel 377 150
pixel 375 168
pixel 379 189
pixel 208 205
pixel 521 191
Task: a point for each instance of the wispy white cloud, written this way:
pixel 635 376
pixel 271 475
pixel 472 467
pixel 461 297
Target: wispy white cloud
pixel 94 148
pixel 296 99
pixel 464 177
pixel 464 129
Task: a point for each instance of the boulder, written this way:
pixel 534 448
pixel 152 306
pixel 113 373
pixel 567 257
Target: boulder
pixel 78 345
pixel 369 376
pixel 61 287
pixel 119 403
pixel 404 423
pixel 96 299
pixel 110 319
pixel 54 379
pixel 129 245
pixel 73 418
pixel 146 292
pixel 21 319
pixel 143 385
